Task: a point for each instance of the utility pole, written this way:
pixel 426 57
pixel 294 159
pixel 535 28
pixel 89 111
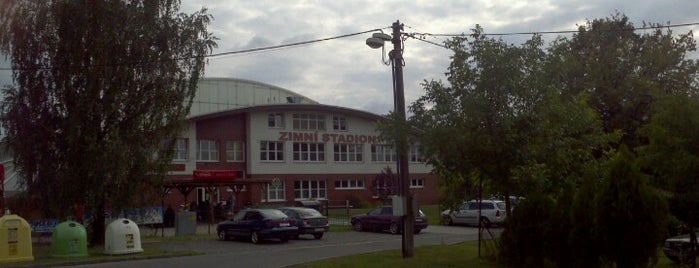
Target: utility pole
pixel 402 144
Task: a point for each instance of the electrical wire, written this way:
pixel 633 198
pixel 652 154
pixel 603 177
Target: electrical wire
pixel 416 36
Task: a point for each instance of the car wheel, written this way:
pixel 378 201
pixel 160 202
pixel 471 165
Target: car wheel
pixel 393 228
pixel 485 222
pixel 296 236
pixel 284 239
pixel 222 235
pixel 417 231
pixel 318 235
pixel 254 238
pixel 357 226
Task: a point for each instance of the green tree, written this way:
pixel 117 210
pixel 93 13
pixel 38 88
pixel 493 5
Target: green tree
pixel 672 155
pixel 629 214
pixel 99 87
pixel 623 70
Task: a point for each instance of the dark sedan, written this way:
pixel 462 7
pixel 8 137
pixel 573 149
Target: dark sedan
pixel 309 221
pixel 382 219
pixel 258 224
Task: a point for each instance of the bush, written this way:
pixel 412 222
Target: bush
pixel 521 243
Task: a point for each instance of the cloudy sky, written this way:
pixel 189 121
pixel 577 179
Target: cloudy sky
pixel 345 72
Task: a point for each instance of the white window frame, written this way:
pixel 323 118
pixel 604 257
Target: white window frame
pixel 339 123
pixel 235 151
pixel 349 184
pixel 267 151
pixel 417 183
pixel 310 189
pixel 308 121
pixel 275 120
pixel 415 156
pixel 181 150
pixel 275 194
pixel 348 152
pixel 308 152
pixel 383 153
pixel 207 151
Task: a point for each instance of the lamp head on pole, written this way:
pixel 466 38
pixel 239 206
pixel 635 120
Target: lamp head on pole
pixel 377 39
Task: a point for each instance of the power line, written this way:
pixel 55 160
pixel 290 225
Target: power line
pixel 568 31
pixel 416 36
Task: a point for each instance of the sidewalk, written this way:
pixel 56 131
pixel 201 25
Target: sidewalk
pixel 202 229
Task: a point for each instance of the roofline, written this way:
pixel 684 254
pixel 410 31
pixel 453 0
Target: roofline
pixel 292 107
pixel 257 83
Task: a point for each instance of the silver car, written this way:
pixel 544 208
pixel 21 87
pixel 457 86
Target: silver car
pixel 492 213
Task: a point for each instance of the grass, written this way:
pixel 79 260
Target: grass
pixel 41 253
pixel 458 255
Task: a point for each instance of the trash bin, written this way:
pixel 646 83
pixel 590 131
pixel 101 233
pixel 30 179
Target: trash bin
pixel 69 239
pixel 122 237
pixel 186 223
pixel 15 239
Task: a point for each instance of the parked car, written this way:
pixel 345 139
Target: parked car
pixel 492 213
pixel 308 220
pixel 382 219
pixel 676 248
pixel 258 224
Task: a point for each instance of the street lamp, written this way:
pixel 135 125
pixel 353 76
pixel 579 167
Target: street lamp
pixel 396 55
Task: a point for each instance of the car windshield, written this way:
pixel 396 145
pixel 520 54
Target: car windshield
pixel 501 205
pixel 273 213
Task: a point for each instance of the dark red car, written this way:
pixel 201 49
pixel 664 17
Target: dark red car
pixel 382 219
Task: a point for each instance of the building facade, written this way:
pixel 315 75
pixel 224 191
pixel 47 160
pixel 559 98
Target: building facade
pixel 257 144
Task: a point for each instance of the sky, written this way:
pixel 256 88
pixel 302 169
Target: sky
pixel 346 72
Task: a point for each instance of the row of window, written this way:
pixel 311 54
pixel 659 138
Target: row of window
pixel 315 152
pixel 306 121
pixel 207 150
pixel 317 189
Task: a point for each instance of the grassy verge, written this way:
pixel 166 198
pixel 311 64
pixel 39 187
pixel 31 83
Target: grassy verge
pixel 458 255
pixel 42 257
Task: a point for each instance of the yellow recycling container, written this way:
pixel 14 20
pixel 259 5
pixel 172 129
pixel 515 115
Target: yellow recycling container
pixel 15 239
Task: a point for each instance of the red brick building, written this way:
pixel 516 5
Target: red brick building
pixel 264 145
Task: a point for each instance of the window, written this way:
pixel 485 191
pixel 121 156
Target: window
pixel 414 154
pixel 339 123
pixel 180 153
pixel 309 122
pixel 271 151
pixel 382 153
pixel 235 151
pixel 349 184
pixel 275 192
pixel 207 150
pixel 275 120
pixel 417 183
pixel 348 152
pixel 310 189
pixel 311 152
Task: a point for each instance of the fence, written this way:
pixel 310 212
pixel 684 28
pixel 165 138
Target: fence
pixel 338 211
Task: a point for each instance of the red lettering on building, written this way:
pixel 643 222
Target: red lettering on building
pixel 215 174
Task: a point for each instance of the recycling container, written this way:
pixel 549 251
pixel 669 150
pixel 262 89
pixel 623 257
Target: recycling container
pixel 69 239
pixel 122 237
pixel 15 239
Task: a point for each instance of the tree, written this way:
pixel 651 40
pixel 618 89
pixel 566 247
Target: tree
pixel 385 184
pixel 623 71
pixel 99 87
pixel 672 155
pixel 629 214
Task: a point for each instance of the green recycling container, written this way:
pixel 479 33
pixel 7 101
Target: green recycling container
pixel 69 239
